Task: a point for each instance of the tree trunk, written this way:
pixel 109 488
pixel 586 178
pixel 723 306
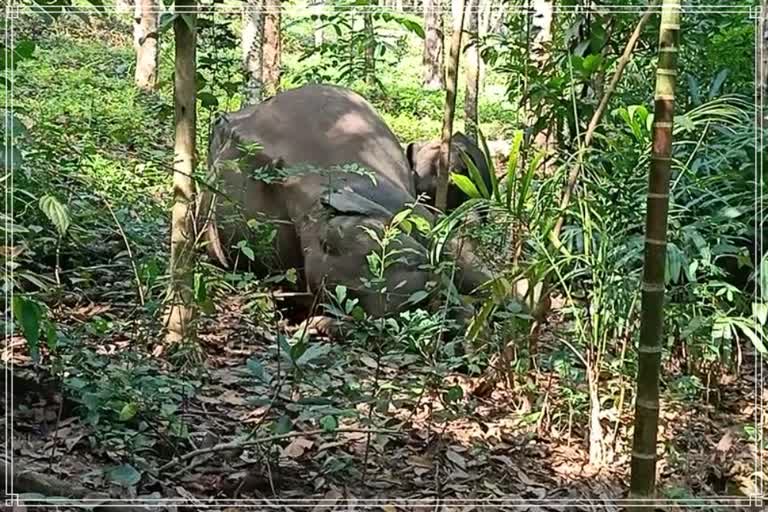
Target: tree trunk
pixel 541 25
pixel 433 46
pixel 484 23
pixel 253 48
pixel 543 13
pixel 370 45
pixel 473 73
pixel 181 313
pixel 145 42
pixel 452 76
pixel 123 6
pixel 317 8
pixel 643 480
pixel 272 46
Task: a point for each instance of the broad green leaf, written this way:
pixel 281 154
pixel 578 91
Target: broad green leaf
pixel 28 314
pixel 190 20
pixel 125 475
pixel 753 336
pixel 453 394
pixel 283 425
pixel 56 212
pixel 490 166
pixel 128 411
pixel 166 21
pixel 760 311
pixel 475 176
pixel 329 423
pixel 258 370
pixel 717 83
pixel 465 185
pixel 24 49
pixel 208 100
pixel 311 353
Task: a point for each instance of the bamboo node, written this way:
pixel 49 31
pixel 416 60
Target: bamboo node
pixel 657 195
pixel 649 349
pixel 667 97
pixel 653 241
pixel 643 456
pixel 653 288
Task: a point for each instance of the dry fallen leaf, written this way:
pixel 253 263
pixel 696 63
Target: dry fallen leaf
pixel 456 459
pixel 725 443
pixel 297 447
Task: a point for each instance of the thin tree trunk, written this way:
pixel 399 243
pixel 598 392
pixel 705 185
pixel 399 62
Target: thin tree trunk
pixel 643 479
pixel 433 46
pixel 145 43
pixel 370 44
pixel 484 23
pixel 452 77
pixel 181 313
pixel 473 73
pixel 253 51
pixel 316 7
pixel 399 5
pixel 123 6
pixel 272 46
pixel 541 25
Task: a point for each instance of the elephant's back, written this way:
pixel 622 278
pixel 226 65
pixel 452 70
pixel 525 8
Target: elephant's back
pixel 324 126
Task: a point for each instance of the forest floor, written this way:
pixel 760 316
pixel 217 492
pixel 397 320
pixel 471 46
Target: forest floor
pixel 493 453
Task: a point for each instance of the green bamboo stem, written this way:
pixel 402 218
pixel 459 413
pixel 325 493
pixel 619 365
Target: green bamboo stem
pixel 652 316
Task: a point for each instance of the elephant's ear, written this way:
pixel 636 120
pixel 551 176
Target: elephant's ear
pixel 347 202
pixel 411 150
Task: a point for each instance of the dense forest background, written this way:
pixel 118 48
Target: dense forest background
pixel 529 403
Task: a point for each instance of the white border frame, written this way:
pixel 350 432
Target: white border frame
pixel 755 502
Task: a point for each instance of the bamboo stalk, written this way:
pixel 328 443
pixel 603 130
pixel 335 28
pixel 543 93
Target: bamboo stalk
pixel 643 468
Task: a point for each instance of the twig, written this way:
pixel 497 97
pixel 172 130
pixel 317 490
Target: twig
pixel 596 117
pixel 128 250
pixel 242 443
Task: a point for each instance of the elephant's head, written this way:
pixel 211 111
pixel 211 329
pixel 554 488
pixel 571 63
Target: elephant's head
pixel 424 159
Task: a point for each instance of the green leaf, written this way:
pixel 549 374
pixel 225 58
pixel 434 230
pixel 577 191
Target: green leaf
pixel 311 353
pixel 717 83
pixel 760 311
pixel 490 166
pixel 24 49
pixel 56 212
pixel 329 423
pixel 418 296
pixel 190 20
pixel 166 21
pixel 128 411
pixel 753 336
pixel 453 394
pixel 258 370
pixel 474 173
pixel 465 185
pixel 125 475
pixel 283 425
pixel 28 314
pixel 208 100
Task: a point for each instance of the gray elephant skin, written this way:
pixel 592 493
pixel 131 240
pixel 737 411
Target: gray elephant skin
pixel 424 159
pixel 312 135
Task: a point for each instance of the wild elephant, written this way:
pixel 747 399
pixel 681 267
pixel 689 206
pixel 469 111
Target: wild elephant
pixel 424 159
pixel 318 164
